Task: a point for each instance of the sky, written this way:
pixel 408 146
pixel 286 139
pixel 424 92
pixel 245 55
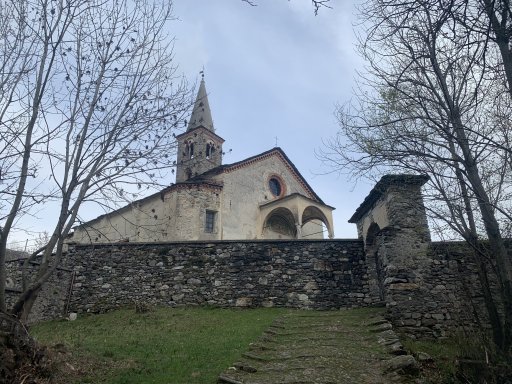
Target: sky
pixel 274 74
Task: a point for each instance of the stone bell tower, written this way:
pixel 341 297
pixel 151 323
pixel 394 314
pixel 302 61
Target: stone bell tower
pixel 199 148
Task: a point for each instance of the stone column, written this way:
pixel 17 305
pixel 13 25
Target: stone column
pixel 298 227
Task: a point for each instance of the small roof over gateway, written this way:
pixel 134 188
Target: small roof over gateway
pixel 380 188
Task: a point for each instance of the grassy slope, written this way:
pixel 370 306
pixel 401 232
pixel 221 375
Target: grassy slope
pixel 191 345
pixel 194 345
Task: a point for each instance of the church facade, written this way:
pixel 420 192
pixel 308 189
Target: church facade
pixel 261 197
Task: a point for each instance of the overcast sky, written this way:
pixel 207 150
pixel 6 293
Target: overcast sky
pixel 274 72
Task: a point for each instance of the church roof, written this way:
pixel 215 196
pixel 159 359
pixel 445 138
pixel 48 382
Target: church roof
pixel 277 151
pixel 201 114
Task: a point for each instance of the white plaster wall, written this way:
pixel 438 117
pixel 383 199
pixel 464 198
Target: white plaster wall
pixel 378 214
pixel 108 229
pixel 154 219
pixel 312 230
pixel 247 187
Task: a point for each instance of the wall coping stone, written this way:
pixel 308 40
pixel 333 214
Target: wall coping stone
pixel 58 268
pixel 204 242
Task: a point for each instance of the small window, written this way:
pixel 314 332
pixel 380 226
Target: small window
pixel 275 186
pixel 209 223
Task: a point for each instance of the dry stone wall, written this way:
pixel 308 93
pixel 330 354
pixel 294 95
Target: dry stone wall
pixel 439 295
pixel 436 297
pixel 53 299
pixel 320 274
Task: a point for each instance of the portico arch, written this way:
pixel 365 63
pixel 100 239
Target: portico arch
pixel 296 210
pixel 280 223
pixel 313 213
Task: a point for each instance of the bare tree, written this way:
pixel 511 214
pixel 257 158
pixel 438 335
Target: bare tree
pixel 429 103
pixel 91 102
pixel 317 4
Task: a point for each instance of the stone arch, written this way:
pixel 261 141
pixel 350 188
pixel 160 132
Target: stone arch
pixel 374 262
pixel 280 223
pixel 371 234
pixel 312 213
pixel 303 210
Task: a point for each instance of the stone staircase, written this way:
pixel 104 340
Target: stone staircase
pixel 312 347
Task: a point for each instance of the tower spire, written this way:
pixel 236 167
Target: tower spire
pixel 201 114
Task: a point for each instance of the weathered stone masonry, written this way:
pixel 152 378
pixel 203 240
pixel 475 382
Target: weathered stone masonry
pixel 53 300
pixel 317 274
pixel 429 288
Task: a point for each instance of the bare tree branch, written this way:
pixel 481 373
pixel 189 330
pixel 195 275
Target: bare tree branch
pixel 101 99
pixel 435 99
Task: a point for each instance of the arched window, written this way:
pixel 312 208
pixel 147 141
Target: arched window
pixel 210 149
pixel 189 149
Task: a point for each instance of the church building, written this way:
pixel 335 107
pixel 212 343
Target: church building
pixel 261 197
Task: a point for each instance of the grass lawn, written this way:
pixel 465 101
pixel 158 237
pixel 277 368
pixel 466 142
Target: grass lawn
pixel 167 345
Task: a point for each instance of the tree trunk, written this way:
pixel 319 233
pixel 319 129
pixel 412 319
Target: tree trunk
pixel 3 272
pixel 498 251
pixel 501 31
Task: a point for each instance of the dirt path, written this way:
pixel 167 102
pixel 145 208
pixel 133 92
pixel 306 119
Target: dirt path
pixel 307 347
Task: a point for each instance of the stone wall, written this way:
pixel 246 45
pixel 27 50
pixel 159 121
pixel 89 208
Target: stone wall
pixel 53 299
pixel 438 296
pixel 429 288
pixel 321 274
